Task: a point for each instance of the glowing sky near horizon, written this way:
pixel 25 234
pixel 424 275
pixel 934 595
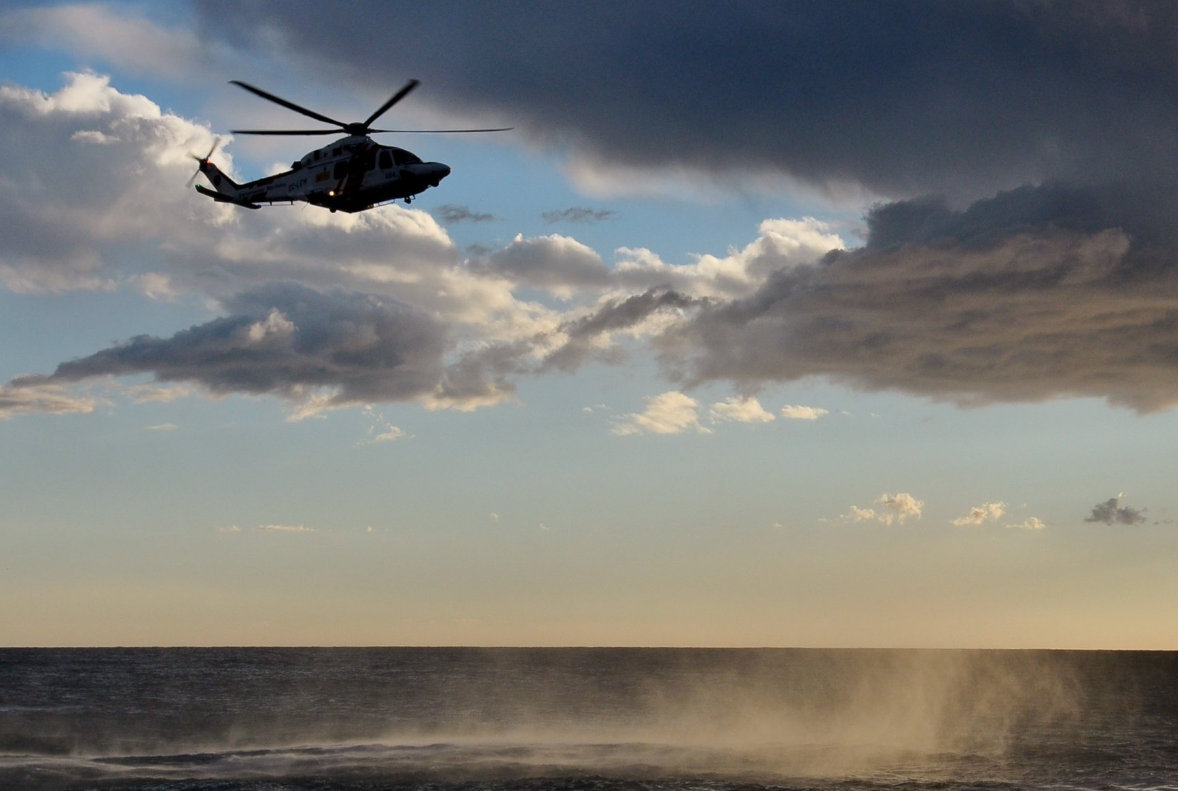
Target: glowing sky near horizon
pixel 820 324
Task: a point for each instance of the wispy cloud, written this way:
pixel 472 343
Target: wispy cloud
pixel 799 412
pixel 1030 523
pixel 144 394
pixel 381 430
pixel 33 395
pixel 452 215
pixel 286 529
pixel 577 215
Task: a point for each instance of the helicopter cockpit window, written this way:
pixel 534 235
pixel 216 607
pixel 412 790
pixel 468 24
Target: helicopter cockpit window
pixel 403 157
pixel 386 161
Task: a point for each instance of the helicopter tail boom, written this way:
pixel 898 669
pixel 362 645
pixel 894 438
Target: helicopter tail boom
pixel 223 198
pixel 226 189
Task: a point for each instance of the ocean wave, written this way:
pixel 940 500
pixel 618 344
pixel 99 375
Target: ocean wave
pixel 481 766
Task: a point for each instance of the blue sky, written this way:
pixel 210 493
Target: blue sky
pixel 762 330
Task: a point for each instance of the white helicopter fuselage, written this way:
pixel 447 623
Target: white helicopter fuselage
pixel 351 174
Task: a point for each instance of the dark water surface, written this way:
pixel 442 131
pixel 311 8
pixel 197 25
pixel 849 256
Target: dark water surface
pixel 585 719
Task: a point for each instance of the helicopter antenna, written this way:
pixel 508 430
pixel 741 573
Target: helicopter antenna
pixel 358 128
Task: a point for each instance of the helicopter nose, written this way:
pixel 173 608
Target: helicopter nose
pixel 437 172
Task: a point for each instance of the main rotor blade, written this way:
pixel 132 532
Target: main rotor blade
pixel 285 131
pixel 288 105
pixel 396 97
pixel 438 131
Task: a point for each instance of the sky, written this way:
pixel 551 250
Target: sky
pixel 813 324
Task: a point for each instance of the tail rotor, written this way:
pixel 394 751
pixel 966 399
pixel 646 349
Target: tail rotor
pixel 201 162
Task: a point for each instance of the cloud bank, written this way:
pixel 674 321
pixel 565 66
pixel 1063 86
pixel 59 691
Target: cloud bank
pixel 1021 248
pixel 1023 154
pixel 940 304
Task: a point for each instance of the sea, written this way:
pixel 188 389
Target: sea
pixel 585 719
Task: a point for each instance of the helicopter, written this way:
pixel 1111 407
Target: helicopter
pixel 351 174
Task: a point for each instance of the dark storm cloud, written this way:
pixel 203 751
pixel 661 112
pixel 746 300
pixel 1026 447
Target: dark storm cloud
pixel 1111 512
pixel 905 97
pixel 290 341
pixel 983 305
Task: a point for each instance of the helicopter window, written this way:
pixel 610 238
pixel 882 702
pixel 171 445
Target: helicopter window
pixel 386 160
pixel 341 169
pixel 403 157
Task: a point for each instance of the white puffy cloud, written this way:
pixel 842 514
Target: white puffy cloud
pixel 799 412
pixel 980 514
pixel 1030 523
pixel 672 412
pixel 565 267
pixel 93 170
pixel 741 410
pixel 889 509
pixel 781 244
